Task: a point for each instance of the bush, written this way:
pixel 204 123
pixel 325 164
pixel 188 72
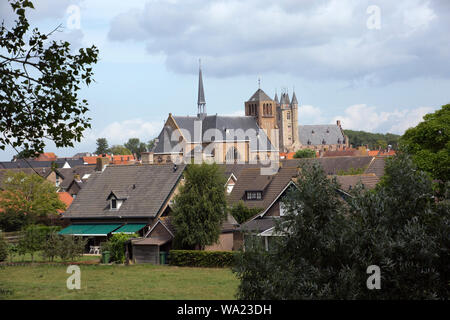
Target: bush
pixel 116 246
pixel 196 258
pixel 305 153
pixel 3 248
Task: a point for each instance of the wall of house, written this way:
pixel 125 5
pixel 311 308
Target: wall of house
pixel 225 243
pixel 274 211
pixel 238 240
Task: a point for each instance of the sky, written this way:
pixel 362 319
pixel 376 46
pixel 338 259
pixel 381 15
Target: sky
pixel 376 65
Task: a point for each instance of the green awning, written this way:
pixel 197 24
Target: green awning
pixel 90 229
pixel 130 228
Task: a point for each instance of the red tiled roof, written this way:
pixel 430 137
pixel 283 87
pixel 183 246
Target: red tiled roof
pixel 375 153
pixel 117 159
pixel 66 198
pixel 46 156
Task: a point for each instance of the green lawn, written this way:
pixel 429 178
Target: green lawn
pixel 38 258
pixel 117 282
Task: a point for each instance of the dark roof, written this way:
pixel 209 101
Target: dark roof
pixel 68 174
pixel 147 188
pixel 164 141
pixel 276 98
pixel 333 165
pixel 369 181
pixel 260 95
pixel 376 166
pixel 271 185
pixel 294 99
pixel 21 163
pixel 317 134
pixel 258 225
pixel 201 91
pixel 284 98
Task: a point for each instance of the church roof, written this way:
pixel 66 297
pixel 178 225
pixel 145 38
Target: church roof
pixel 318 134
pixel 201 91
pixel 276 98
pixel 260 95
pixel 284 98
pixel 221 128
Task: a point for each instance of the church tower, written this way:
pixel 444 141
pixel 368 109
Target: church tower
pixel 201 102
pixel 287 120
pixel 263 109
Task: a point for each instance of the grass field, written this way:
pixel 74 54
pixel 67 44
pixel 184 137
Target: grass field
pixel 38 258
pixel 117 282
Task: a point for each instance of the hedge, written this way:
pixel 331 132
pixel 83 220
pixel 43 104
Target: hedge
pixel 198 258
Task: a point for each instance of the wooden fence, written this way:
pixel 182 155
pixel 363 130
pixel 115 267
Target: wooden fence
pixel 12 237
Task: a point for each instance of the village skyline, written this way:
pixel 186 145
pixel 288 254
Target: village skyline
pixel 142 75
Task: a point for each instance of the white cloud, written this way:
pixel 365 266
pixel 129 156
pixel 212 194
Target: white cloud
pixel 308 114
pixel 366 118
pixel 119 132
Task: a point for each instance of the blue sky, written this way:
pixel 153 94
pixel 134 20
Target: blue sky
pixel 377 66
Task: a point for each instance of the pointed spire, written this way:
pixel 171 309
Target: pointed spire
pixel 201 102
pixel 276 97
pixel 294 99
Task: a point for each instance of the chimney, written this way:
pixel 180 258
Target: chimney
pixel 76 177
pixel 338 122
pixel 102 162
pixel 147 157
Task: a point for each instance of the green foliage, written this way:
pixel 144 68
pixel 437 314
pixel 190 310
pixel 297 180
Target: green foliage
pixel 102 146
pixel 429 143
pixel 305 153
pixel 116 246
pixel 31 241
pixel 39 84
pixel 3 248
pixel 151 144
pixel 136 146
pixel 68 248
pixel 206 259
pixel 29 195
pixel 12 220
pixel 119 150
pixel 242 213
pixel 351 171
pixel 200 207
pixel 373 140
pixel 327 245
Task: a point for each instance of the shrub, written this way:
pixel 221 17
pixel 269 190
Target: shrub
pixel 242 213
pixel 3 248
pixel 196 258
pixel 305 153
pixel 116 246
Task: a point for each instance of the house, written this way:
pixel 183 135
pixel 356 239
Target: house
pixel 66 198
pixel 122 197
pixel 113 159
pixel 73 179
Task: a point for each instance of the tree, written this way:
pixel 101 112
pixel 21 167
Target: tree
pixel 102 146
pixel 305 153
pixel 200 207
pixel 429 144
pixel 242 213
pixel 3 248
pixel 39 84
pixel 119 150
pixel 136 146
pixel 30 195
pixel 326 246
pixel 151 143
pixel 116 246
pixel 32 240
pixel 373 140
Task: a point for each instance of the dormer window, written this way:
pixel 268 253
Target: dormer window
pixel 113 204
pixel 254 195
pixel 116 200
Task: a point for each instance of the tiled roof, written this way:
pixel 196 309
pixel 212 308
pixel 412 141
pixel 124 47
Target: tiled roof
pixel 147 188
pixel 271 185
pixel 318 134
pixel 69 173
pixel 116 159
pixel 66 198
pixel 369 181
pixel 258 225
pixel 332 165
pixel 375 153
pixel 376 166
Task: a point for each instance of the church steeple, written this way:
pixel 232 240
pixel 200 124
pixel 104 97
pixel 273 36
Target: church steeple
pixel 201 102
pixel 294 101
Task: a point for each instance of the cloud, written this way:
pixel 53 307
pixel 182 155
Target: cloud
pixel 119 132
pixel 312 39
pixel 366 118
pixel 308 114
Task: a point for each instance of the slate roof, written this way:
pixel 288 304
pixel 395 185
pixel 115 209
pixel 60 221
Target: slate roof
pixel 258 225
pixel 260 95
pixel 226 128
pixel 147 187
pixel 316 134
pixel 332 165
pixel 69 173
pixel 21 163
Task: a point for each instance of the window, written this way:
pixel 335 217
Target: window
pixel 113 204
pixel 288 115
pixel 254 195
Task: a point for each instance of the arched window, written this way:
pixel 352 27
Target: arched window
pixel 288 115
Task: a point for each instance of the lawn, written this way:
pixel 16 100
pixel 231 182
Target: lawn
pixel 38 258
pixel 39 281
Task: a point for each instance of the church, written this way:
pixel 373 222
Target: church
pixel 270 126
